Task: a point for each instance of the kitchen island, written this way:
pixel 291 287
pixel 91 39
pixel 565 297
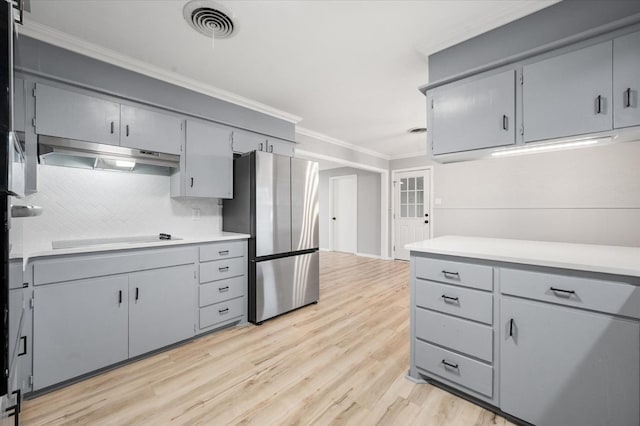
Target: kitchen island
pixel 548 333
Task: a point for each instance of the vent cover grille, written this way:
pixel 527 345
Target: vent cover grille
pixel 209 19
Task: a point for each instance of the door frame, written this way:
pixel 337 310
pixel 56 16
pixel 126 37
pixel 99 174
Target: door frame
pixel 355 211
pixel 394 174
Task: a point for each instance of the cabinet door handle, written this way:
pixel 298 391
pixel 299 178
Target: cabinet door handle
pixel 448 274
pixel 448 364
pixel 223 269
pixel 627 98
pixel 453 299
pixel 223 252
pixel 599 104
pixel 120 297
pixel 559 290
pixel 23 340
pixel 261 145
pixel 223 289
pixel 511 322
pixel 505 122
pixel 191 182
pixel 127 130
pixel 271 149
pixel 137 293
pixel 113 124
pixel 223 311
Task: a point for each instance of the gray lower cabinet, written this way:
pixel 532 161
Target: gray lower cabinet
pixel 79 327
pixel 569 94
pixel 160 308
pixel 564 366
pixel 67 114
pixel 150 130
pixel 474 115
pixel 208 168
pixel 626 81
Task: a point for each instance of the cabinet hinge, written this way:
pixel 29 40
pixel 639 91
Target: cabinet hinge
pixel 431 103
pixel 33 122
pixel 34 92
pixel 180 148
pixel 521 78
pixel 32 302
pixel 30 380
pixel 522 130
pixel 194 275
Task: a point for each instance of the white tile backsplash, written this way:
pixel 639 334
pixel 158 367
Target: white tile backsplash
pixel 82 203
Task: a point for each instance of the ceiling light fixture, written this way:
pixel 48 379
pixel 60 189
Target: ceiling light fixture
pixel 555 146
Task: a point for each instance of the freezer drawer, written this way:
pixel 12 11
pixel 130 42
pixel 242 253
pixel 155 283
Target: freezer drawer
pixel 284 284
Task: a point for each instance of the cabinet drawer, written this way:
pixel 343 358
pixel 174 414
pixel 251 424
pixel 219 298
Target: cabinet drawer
pixel 221 269
pixel 462 302
pixel 221 312
pixel 455 333
pixel 222 290
pixel 222 250
pixel 456 368
pixel 604 296
pixel 458 273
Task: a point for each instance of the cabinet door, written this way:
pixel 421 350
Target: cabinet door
pixel 626 80
pixel 280 147
pixel 150 130
pixel 247 142
pixel 161 308
pixel 72 115
pixel 209 161
pixel 564 366
pixel 475 115
pixel 78 327
pixel 568 94
pixel 19 105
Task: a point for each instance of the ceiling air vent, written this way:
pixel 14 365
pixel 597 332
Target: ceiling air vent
pixel 209 19
pixel 418 130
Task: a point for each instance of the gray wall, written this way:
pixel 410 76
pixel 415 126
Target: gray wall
pixel 368 209
pixel 589 195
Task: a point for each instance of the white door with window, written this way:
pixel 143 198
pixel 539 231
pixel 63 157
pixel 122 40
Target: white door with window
pixel 411 212
pixel 344 213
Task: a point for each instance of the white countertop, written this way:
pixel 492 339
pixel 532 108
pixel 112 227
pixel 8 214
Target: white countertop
pixel 43 251
pixel 583 257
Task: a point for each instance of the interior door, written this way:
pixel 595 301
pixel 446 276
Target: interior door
pixel 305 210
pixel 344 213
pixel 273 204
pixel 411 213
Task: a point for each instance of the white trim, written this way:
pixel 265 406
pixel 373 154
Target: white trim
pixel 372 256
pixel 385 247
pixel 331 212
pixel 409 155
pixel 69 42
pixel 393 203
pixel 324 249
pixel 324 138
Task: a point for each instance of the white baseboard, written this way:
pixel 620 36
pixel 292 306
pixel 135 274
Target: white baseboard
pixel 324 249
pixel 373 256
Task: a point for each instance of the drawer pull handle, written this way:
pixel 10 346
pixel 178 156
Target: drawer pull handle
pixel 223 289
pixel 223 311
pixel 453 299
pixel 448 274
pixel 223 269
pixel 511 322
pixel 559 290
pixel 448 364
pixel 23 340
pixel 223 252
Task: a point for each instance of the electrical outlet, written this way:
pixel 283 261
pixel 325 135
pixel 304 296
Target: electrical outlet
pixel 195 213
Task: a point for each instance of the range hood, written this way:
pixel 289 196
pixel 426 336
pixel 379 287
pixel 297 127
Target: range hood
pixel 75 153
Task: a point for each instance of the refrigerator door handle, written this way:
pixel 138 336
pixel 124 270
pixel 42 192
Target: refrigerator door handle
pixel 25 211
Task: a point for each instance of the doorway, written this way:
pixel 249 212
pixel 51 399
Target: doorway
pixel 411 218
pixel 344 213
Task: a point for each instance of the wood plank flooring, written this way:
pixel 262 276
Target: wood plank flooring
pixel 342 361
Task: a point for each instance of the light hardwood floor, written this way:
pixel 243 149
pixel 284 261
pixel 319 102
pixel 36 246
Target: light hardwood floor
pixel 342 361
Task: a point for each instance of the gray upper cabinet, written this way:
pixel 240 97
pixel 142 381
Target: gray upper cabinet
pixel 565 366
pixel 150 130
pixel 209 161
pixel 19 105
pixel 66 114
pixel 626 80
pixel 474 115
pixel 79 327
pixel 161 308
pixel 247 142
pixel 568 95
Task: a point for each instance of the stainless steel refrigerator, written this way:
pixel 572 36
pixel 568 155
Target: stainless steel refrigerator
pixel 275 200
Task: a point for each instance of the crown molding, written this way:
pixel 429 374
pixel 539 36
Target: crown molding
pixel 322 137
pixel 69 42
pixel 408 155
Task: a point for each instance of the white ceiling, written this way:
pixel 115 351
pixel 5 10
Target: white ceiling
pixel 350 69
